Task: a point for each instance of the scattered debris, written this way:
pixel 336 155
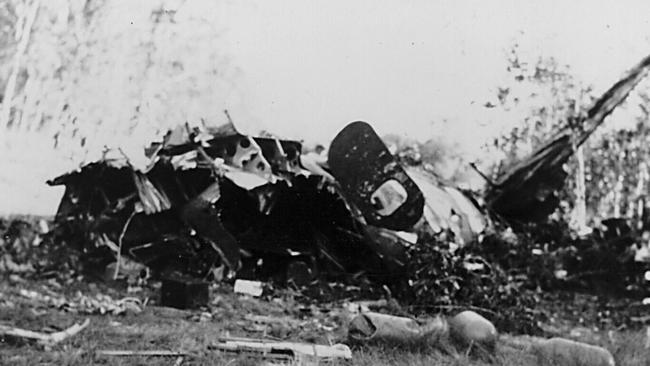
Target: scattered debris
pixel 104 304
pixel 150 353
pixel 298 354
pixel 43 338
pixel 253 288
pixel 213 198
pixel 364 306
pixel 641 319
pixel 449 209
pixel 132 272
pixel 8 265
pixel 383 328
pixel 99 304
pixel 216 204
pixel 299 273
pixel 184 292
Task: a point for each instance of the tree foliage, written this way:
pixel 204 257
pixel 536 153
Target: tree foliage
pixel 617 168
pixel 545 96
pixel 437 155
pixel 541 97
pixel 96 71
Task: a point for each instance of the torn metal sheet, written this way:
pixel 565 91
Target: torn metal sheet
pixel 265 157
pixel 246 180
pixel 200 215
pixel 316 164
pixel 246 287
pixel 248 156
pixel 152 200
pixel 286 352
pixel 205 199
pixel 372 179
pixel 446 208
pixel 390 248
pixel 283 155
pixel 476 219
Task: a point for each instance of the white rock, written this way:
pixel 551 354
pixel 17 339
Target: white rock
pixel 471 327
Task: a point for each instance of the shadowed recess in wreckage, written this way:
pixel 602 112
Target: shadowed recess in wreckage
pixel 213 199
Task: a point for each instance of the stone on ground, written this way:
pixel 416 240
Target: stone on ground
pixel 469 327
pixel 565 352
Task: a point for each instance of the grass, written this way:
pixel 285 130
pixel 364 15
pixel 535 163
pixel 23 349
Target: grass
pixel 159 328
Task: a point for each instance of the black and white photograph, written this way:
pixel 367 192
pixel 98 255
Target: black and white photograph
pixel 311 182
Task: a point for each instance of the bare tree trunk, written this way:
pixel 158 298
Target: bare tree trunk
pixel 24 33
pixel 640 195
pixel 580 209
pixel 581 201
pixel 618 195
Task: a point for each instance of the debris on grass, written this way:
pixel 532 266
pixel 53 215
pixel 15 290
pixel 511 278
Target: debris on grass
pixel 43 339
pixel 215 204
pixel 145 353
pixel 299 354
pixel 246 287
pixel 213 197
pixel 383 328
pixel 130 271
pixel 183 292
pixel 84 304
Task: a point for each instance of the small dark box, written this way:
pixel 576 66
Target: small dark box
pixel 184 293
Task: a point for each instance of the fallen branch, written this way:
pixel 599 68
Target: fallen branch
pixel 641 319
pixel 482 175
pixel 119 245
pixel 42 338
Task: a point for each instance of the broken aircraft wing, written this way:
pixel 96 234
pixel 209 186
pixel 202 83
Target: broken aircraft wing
pixel 528 191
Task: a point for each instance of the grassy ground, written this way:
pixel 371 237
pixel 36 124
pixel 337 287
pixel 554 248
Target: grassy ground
pixel 194 332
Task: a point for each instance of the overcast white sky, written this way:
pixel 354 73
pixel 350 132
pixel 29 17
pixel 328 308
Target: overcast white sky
pixel 310 67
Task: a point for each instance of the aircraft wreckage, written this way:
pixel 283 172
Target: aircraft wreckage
pixel 216 198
